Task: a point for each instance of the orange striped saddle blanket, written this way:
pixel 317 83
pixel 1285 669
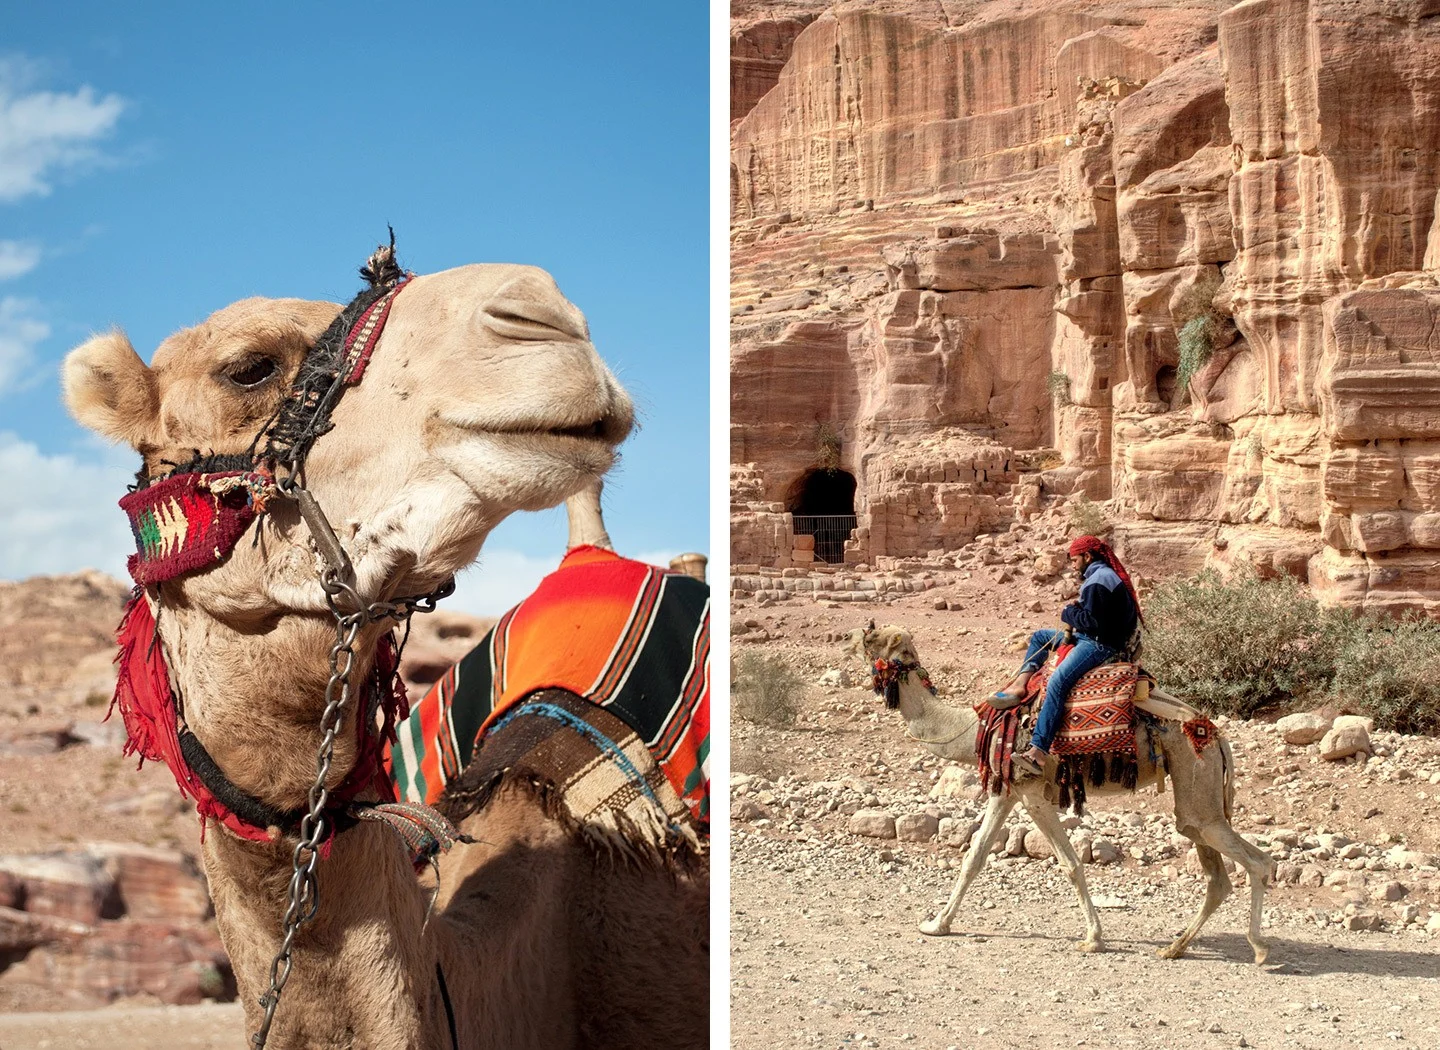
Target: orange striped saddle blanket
pixel 629 637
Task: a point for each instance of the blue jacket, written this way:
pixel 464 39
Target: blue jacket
pixel 1105 611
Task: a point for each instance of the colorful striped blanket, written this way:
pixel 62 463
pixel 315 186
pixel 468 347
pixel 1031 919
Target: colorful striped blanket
pixel 631 638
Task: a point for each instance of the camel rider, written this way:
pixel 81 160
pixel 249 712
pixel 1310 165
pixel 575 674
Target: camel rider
pixel 1102 620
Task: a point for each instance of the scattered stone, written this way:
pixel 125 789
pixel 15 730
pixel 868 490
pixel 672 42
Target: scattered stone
pixel 873 823
pixel 955 782
pixel 1303 728
pixel 916 827
pixel 747 809
pixel 1103 851
pixel 1343 741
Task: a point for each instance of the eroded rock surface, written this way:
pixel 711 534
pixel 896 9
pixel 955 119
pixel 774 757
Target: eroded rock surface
pixel 1179 259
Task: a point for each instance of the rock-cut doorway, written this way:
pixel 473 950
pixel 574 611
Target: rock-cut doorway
pixel 822 504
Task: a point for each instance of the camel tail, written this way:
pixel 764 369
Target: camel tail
pixel 1227 767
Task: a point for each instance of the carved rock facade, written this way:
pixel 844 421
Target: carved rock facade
pixel 1179 261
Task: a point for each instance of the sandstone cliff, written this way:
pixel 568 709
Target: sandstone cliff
pixel 1171 255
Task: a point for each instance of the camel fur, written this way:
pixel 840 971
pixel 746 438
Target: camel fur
pixel 1204 787
pixel 484 396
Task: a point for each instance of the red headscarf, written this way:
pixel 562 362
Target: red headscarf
pixel 1101 550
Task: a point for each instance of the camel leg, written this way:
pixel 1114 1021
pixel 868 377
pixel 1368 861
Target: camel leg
pixel 1043 813
pixel 995 813
pixel 1258 866
pixel 1217 888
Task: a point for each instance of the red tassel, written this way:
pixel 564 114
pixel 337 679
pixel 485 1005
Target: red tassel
pixel 147 703
pixel 142 690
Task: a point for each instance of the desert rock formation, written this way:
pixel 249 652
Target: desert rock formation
pixel 1176 259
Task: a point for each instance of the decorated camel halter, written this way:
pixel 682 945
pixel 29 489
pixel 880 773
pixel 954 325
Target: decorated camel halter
pixel 189 521
pixel 886 676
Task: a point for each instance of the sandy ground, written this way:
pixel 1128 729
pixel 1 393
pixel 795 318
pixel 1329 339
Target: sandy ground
pixel 824 946
pixel 210 1025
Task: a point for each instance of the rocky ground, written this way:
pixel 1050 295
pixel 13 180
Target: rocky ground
pixel 102 900
pixel 847 835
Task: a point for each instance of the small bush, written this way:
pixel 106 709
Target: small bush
pixel 827 446
pixel 1058 383
pixel 1197 343
pixel 1237 646
pixel 1086 518
pixel 1388 669
pixel 765 690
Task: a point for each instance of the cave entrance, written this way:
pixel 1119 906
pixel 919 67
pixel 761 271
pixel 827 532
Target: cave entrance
pixel 822 503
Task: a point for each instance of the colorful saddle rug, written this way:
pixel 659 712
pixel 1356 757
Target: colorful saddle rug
pixel 1099 712
pixel 1096 741
pixel 631 638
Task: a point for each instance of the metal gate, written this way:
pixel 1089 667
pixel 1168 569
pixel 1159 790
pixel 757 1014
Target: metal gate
pixel 830 532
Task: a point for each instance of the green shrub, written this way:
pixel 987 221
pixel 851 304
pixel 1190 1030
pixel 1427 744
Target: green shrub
pixel 1197 343
pixel 827 446
pixel 1389 669
pixel 765 690
pixel 1086 518
pixel 1236 646
pixel 1239 645
pixel 1058 383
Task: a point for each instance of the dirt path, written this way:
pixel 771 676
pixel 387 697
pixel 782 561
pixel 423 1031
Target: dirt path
pixel 825 953
pixel 206 1027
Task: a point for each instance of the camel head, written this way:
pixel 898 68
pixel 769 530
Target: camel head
pixel 880 643
pixel 889 655
pixel 483 396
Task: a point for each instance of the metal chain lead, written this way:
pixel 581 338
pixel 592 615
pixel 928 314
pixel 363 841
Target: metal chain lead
pixel 337 580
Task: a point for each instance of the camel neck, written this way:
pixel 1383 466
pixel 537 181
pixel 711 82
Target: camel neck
pixel 364 963
pixel 947 731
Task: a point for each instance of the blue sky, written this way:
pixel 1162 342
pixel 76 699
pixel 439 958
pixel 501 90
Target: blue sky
pixel 158 163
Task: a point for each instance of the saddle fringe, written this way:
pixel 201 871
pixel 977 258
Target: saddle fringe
pixel 615 838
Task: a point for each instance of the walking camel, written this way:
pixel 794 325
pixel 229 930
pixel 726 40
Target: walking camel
pixel 467 395
pixel 1204 786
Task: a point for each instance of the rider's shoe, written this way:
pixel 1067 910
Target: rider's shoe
pixel 1029 763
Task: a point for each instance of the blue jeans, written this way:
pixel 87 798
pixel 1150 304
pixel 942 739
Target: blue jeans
pixel 1086 656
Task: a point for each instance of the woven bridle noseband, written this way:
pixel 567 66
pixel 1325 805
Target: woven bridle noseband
pixel 189 519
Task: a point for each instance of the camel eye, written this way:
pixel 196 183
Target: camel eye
pixel 253 373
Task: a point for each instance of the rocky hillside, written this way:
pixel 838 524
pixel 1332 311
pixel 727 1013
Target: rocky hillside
pixel 1173 255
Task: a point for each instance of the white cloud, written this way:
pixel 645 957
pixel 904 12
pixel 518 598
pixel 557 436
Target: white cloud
pixel 43 133
pixel 59 512
pixel 20 332
pixel 17 258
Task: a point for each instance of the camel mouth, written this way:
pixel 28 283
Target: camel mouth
pixel 610 428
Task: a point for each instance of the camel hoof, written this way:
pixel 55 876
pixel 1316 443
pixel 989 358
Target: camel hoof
pixel 1262 952
pixel 934 928
pixel 1090 947
pixel 1171 951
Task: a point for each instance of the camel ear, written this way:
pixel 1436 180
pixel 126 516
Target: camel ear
pixel 111 391
pixel 856 645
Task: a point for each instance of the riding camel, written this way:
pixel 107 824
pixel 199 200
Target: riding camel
pixel 468 394
pixel 1204 786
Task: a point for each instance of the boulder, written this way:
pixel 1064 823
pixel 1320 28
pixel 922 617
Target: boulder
pixel 1037 845
pixel 1340 743
pixel 1303 728
pixel 917 827
pixel 873 823
pixel 955 782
